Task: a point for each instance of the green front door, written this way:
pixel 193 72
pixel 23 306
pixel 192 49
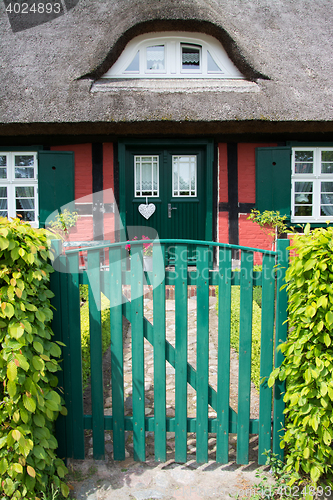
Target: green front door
pixel 168 185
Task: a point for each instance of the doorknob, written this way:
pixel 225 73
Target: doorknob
pixel 169 210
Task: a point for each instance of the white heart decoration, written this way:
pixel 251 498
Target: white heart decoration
pixel 146 210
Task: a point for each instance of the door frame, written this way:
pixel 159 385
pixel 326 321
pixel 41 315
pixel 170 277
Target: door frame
pixel 208 146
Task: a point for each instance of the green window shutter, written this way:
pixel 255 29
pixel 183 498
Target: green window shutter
pixel 273 179
pixel 55 181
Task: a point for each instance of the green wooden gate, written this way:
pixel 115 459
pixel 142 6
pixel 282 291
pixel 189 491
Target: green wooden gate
pixel 110 280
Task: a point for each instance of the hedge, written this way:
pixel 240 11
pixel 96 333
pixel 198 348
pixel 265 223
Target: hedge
pixel 30 402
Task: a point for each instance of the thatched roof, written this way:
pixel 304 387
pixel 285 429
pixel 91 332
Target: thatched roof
pixel 284 48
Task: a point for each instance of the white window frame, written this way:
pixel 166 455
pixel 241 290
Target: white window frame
pixel 316 178
pixel 11 183
pixel 173 42
pixel 135 178
pixel 196 178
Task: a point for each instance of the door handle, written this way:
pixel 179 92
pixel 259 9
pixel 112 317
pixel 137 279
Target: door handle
pixel 169 210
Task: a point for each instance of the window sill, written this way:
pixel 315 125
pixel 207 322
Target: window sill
pixel 187 85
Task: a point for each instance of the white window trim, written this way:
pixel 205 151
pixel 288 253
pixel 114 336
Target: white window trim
pixel 11 183
pixel 135 179
pixel 316 177
pixel 172 42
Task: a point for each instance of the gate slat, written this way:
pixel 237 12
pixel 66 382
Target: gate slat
pixel 96 358
pixel 181 353
pixel 159 357
pixel 117 363
pixel 74 329
pixel 55 285
pixel 64 278
pixel 223 381
pixel 280 337
pixel 202 353
pixel 138 353
pixel 245 343
pixel 266 355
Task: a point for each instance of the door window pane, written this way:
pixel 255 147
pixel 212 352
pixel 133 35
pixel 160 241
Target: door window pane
pixel 24 167
pixel 184 175
pixel 155 58
pixel 146 176
pixel 190 57
pixel 303 162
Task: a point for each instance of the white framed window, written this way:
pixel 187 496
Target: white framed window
pixel 174 55
pixel 146 176
pixel 312 184
pixel 18 186
pixel 184 176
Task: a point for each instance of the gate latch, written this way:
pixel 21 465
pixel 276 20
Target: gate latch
pixel 169 210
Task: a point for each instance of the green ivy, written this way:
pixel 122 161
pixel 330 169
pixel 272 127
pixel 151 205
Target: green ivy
pixel 29 402
pixel 308 364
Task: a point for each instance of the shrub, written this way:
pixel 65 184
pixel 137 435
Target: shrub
pixel 308 364
pixel 256 332
pixel 28 365
pixel 85 331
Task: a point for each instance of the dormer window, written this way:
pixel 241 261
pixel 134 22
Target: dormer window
pixel 174 55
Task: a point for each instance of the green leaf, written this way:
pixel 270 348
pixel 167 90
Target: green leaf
pixel 29 403
pixel 9 310
pixel 39 452
pixel 3 441
pixel 327 437
pixel 329 317
pixel 38 363
pixel 16 331
pixel 11 388
pixel 64 490
pixel 327 340
pixel 16 434
pixel 40 316
pixel 23 362
pixel 314 474
pixel 322 301
pixel 3 466
pixel 11 371
pixel 38 347
pixel 52 405
pixel 39 420
pixel 17 468
pixel 31 471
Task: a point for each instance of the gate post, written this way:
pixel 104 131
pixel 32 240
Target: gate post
pixel 281 332
pixel 56 325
